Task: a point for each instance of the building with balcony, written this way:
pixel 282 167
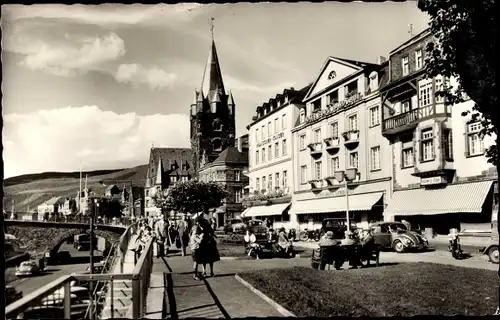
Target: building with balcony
pixel 338 134
pixel 270 157
pixel 441 178
pixel 227 170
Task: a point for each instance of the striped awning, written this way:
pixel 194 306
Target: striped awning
pixel 464 197
pixel 357 202
pixel 260 211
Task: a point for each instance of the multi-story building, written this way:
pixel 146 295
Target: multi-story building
pixel 270 157
pixel 338 135
pixel 167 166
pixel 441 179
pixel 227 170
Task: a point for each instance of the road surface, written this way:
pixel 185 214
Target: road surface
pixel 52 272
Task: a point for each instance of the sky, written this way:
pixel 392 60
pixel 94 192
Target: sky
pixel 100 85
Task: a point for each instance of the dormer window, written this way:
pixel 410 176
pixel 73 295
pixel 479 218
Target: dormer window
pixel 173 165
pixel 302 117
pixel 317 105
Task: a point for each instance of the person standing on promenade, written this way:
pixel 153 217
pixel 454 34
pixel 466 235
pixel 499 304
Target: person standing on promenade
pixel 161 229
pixel 183 233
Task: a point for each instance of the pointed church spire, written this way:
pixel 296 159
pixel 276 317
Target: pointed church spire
pixel 230 100
pixel 212 76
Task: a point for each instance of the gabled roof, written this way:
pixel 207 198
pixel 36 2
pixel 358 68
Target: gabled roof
pixel 356 65
pixel 108 188
pixel 231 155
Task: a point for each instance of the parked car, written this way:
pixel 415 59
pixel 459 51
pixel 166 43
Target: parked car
pixel 491 250
pixel 27 268
pixel 337 225
pixel 258 227
pixel 234 226
pixel 395 235
pixel 11 294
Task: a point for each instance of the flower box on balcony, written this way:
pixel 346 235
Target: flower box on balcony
pixel 332 142
pixel 316 183
pixel 332 181
pixel 351 136
pixel 315 147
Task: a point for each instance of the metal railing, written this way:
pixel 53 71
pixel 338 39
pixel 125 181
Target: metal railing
pixel 123 221
pixel 401 119
pixel 30 304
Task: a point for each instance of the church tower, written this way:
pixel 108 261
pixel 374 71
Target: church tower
pixel 212 114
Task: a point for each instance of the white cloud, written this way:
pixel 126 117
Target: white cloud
pixel 106 14
pixel 57 140
pixel 136 74
pixel 65 57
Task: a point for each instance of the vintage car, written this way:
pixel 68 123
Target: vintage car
pixel 27 268
pixel 337 225
pixel 234 226
pixel 60 257
pixel 491 249
pixel 395 235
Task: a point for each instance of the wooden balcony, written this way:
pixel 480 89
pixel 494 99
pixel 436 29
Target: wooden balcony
pixel 401 122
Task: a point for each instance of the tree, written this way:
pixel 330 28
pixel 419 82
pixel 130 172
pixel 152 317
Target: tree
pixel 465 48
pixel 191 197
pixel 110 208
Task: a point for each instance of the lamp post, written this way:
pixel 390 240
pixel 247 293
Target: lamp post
pixel 91 285
pixel 349 175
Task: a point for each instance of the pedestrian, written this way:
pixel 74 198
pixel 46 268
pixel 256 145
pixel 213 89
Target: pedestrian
pixel 183 233
pixel 161 230
pixel 204 247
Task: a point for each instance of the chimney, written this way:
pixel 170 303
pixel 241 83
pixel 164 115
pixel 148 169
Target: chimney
pixel 381 59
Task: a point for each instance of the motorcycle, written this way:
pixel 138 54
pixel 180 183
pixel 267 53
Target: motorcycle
pixel 454 246
pixel 292 234
pixel 309 234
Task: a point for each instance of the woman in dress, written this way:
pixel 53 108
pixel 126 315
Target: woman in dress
pixel 203 247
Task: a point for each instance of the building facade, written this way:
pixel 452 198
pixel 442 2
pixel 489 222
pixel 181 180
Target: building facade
pixel 338 134
pixel 270 157
pixel 212 115
pixel 227 170
pixel 441 178
pixel 167 166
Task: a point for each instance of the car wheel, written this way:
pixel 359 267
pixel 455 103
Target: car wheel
pixel 493 254
pixel 398 246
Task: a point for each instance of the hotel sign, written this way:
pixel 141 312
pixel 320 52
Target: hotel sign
pixel 268 140
pixel 432 181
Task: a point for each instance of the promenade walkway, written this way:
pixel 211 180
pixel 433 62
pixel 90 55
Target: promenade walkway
pixel 175 294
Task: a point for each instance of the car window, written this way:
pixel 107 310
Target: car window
pixel 384 228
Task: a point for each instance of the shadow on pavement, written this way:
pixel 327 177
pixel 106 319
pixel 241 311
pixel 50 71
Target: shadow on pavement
pixel 381 264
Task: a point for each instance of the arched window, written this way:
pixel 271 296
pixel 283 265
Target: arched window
pixel 216 144
pixel 217 125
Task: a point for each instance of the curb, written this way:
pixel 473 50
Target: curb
pixel 278 307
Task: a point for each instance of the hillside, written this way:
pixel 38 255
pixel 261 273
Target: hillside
pixel 29 191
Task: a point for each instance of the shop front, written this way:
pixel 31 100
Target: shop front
pixel 363 209
pixel 437 209
pixel 277 214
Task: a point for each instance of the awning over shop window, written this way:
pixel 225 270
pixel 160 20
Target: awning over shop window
pixel 259 211
pixel 358 202
pixel 466 197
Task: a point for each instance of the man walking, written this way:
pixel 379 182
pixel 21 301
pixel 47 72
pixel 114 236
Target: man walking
pixel 183 233
pixel 161 229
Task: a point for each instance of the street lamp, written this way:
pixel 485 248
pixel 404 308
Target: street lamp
pixel 91 285
pixel 347 176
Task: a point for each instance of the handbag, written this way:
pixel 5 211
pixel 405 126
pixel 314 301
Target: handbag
pixel 195 241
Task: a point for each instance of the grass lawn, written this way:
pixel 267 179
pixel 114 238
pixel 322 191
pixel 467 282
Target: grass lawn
pixel 404 289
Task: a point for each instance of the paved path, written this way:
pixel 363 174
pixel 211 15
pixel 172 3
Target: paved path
pixel 174 292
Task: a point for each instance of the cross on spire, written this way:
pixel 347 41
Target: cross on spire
pixel 212 25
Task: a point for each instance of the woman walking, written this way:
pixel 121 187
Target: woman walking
pixel 203 248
